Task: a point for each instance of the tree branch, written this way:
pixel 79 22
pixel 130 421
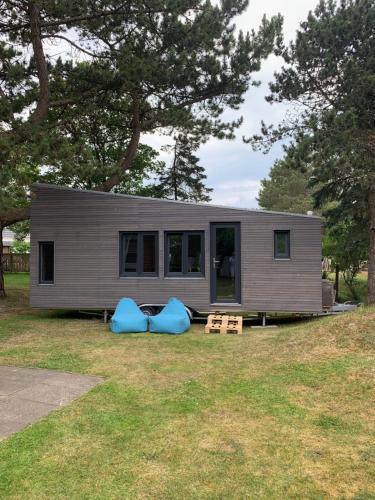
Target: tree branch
pixel 88 52
pixel 131 151
pixel 14 215
pixel 122 9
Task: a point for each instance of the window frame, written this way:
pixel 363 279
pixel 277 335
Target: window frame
pixel 185 254
pixel 281 256
pixel 40 257
pixel 139 273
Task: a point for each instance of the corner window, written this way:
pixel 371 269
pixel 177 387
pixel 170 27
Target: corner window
pixel 138 254
pixel 282 244
pixel 184 253
pixel 46 262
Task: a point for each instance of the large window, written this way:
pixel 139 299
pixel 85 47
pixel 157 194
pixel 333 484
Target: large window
pixel 184 253
pixel 139 254
pixel 282 244
pixel 46 262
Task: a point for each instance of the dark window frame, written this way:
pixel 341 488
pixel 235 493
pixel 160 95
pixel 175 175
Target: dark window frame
pixel 140 246
pixel 41 281
pixel 276 254
pixel 185 254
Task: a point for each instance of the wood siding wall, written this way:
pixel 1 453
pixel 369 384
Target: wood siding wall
pixel 85 227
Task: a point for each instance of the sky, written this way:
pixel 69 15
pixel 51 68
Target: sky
pixel 234 171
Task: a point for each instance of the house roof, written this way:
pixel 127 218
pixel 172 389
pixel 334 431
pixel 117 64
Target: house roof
pixel 8 237
pixel 256 210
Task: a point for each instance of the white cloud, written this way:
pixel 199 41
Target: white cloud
pixel 233 169
pixel 294 12
pixel 237 194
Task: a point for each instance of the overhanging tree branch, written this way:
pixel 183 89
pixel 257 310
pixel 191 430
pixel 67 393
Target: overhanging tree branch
pixel 14 215
pixel 122 9
pixel 73 44
pixel 131 151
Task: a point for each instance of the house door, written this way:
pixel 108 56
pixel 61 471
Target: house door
pixel 225 263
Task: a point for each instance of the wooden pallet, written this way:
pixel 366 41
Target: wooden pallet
pixel 234 325
pixel 218 323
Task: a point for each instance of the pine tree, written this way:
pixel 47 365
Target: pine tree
pixel 287 189
pixel 155 64
pixel 184 179
pixel 329 73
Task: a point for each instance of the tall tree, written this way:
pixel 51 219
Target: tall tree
pixel 157 64
pixel 90 147
pixel 185 178
pixel 287 189
pixel 329 73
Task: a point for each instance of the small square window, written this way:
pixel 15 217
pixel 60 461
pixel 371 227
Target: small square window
pixel 184 253
pixel 139 254
pixel 46 262
pixel 282 244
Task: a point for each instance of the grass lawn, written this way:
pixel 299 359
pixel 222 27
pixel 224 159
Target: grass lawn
pixel 277 413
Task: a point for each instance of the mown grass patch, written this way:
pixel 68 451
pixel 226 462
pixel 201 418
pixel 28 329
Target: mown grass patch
pixel 16 281
pixel 283 413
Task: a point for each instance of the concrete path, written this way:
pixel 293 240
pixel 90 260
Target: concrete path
pixel 27 394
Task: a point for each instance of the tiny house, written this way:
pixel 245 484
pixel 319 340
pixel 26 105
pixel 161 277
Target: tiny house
pixel 89 249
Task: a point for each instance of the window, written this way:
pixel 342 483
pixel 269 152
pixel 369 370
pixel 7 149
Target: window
pixel 282 244
pixel 138 254
pixel 46 262
pixel 184 253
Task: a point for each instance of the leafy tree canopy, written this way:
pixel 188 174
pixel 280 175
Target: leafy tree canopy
pixel 329 76
pixel 286 190
pixel 146 65
pixel 153 64
pixel 20 247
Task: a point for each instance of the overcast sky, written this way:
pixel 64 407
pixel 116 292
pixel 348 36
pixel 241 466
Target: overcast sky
pixel 233 169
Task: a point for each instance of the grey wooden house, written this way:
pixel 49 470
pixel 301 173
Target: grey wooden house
pixel 89 249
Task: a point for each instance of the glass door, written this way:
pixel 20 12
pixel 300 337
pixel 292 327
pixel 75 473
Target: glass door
pixel 225 263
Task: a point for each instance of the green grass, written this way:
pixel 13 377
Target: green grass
pixel 17 280
pixel 278 413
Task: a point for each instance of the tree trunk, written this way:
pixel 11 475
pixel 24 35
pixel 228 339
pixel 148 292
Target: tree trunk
pixel 40 62
pixel 2 286
pixel 131 151
pixel 371 260
pixel 337 282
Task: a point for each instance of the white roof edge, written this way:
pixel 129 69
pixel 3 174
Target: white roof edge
pixel 254 210
pixel 9 237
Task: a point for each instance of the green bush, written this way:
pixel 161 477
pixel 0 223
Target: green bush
pixel 20 247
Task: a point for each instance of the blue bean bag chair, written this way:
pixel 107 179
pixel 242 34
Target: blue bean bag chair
pixel 172 319
pixel 128 318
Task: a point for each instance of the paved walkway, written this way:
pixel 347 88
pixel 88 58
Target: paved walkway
pixel 27 394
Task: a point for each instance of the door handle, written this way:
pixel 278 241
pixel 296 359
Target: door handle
pixel 215 262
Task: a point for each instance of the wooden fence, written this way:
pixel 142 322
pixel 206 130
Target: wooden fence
pixel 16 262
